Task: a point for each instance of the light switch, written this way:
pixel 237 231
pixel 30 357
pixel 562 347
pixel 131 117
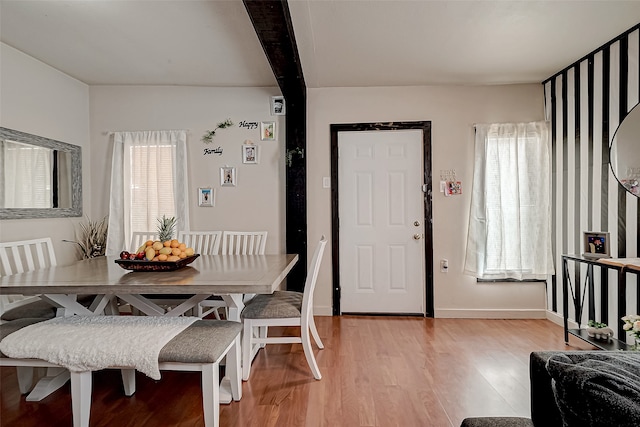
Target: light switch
pixel 326 182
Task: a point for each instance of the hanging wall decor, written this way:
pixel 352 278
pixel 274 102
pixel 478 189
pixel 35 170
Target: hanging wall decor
pixel 268 131
pixel 206 197
pixel 250 154
pixel 277 106
pixel 227 176
pixel 208 136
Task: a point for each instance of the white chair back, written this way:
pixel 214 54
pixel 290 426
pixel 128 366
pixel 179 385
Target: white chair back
pixel 202 242
pixel 140 237
pixel 310 282
pixel 26 255
pixel 23 256
pixel 244 242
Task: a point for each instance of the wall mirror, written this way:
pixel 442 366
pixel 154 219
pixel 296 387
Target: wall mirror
pixel 41 177
pixel 624 155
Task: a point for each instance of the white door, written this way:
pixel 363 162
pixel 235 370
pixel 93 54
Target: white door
pixel 381 213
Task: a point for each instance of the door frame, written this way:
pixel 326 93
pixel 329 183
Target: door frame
pixel 425 126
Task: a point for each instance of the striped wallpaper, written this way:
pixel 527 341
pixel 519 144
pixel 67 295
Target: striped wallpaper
pixel 585 103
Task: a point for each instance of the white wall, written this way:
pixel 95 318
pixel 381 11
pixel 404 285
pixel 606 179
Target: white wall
pixel 40 100
pixel 256 203
pixel 452 112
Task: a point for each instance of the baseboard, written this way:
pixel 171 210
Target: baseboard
pixel 447 313
pixel 559 320
pixel 322 311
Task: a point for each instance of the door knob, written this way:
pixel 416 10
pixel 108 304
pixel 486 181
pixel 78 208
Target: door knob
pixel 416 223
pixel 417 236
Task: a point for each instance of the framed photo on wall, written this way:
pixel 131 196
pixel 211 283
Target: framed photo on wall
pixel 250 153
pixel 206 197
pixel 227 176
pixel 267 131
pixel 277 106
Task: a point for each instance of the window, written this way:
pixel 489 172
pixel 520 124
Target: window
pixel 151 184
pixel 148 180
pixel 510 219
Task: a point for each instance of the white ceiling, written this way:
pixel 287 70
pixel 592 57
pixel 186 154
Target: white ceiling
pixel 341 43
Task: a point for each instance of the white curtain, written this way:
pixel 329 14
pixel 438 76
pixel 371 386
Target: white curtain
pixel 148 180
pixel 27 175
pixel 510 219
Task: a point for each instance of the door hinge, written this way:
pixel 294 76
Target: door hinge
pixel 424 188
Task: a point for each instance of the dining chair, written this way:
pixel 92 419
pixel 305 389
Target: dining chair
pixel 244 242
pixel 140 237
pixel 20 257
pixel 283 308
pixel 202 242
pixel 205 243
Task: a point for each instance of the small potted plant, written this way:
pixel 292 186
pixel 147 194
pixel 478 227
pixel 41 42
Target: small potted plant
pixel 632 326
pixel 599 331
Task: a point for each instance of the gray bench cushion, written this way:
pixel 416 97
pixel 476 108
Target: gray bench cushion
pixel 204 341
pixel 280 304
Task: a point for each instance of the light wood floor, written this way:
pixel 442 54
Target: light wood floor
pixel 377 371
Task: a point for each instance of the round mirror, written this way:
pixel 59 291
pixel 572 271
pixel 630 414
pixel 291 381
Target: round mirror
pixel 624 156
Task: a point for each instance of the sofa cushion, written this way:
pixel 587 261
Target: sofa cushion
pixel 597 390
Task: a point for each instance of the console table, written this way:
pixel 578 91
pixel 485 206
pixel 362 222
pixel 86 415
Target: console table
pixel 578 293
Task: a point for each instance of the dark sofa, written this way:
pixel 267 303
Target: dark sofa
pixel 578 389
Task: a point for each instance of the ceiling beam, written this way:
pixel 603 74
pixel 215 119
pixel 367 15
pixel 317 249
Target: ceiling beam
pixel 272 23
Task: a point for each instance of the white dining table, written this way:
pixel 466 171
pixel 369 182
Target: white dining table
pixel 228 276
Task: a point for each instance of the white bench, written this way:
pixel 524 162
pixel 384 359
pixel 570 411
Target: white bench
pixel 200 348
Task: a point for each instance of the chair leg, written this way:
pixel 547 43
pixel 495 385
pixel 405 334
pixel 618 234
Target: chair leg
pixel 314 332
pixel 247 345
pixel 81 398
pixel 211 395
pixel 308 353
pixel 233 370
pixel 25 378
pixel 128 381
pixel 262 333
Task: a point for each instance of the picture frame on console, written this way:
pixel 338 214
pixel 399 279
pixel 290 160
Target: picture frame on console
pixel 596 244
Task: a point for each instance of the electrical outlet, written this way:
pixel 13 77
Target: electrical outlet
pixel 444 266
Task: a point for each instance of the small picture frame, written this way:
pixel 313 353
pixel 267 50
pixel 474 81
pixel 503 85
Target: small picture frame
pixel 596 244
pixel 267 131
pixel 278 106
pixel 249 154
pixel 206 197
pixel 227 176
